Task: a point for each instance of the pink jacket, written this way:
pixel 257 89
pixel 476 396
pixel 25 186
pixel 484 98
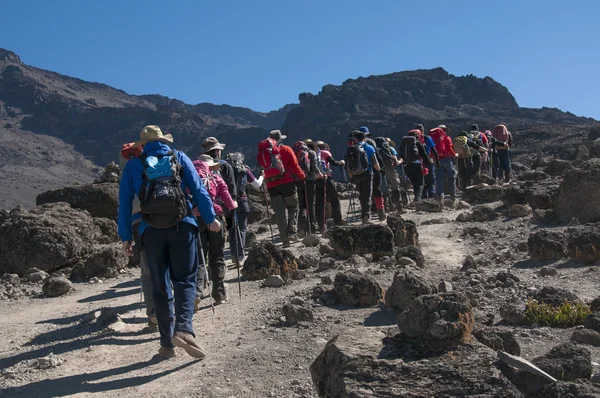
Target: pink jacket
pixel 216 187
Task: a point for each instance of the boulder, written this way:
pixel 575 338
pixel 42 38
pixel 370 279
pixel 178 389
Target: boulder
pixel 514 195
pixel 325 250
pixel 265 259
pixel 469 263
pixel 407 286
pixel 57 286
pixel 545 217
pixel 519 211
pixel 483 177
pixel 562 389
pixel 547 245
pixel 583 243
pixel 324 294
pixel 498 339
pixel 542 196
pixel 11 279
pixel 446 316
pixel 492 193
pixel 105 261
pixel 575 184
pixel 258 212
pixel 357 290
pixel 311 240
pixel 273 281
pixel 429 205
pixel 412 252
pixel 250 239
pixel 36 276
pixel 548 271
pixel 326 263
pixel 483 213
pixel 595 304
pixel 49 237
pixel 364 363
pixel 363 239
pixel 294 313
pixel 533 175
pixel 308 260
pixel 100 200
pixel 567 362
pixel 406 262
pixel 405 231
pixel 357 261
pixel 445 287
pixel 592 321
pixel 586 336
pixel 466 216
pixel 559 167
pixel 513 314
pixel 108 230
pixel 554 296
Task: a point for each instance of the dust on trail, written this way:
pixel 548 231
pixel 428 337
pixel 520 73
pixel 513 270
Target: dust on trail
pixel 249 353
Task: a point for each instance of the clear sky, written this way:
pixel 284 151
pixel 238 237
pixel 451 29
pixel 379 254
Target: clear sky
pixel 262 53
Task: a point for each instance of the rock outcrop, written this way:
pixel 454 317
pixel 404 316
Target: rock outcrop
pixel 100 200
pixel 362 239
pixel 569 203
pixel 265 259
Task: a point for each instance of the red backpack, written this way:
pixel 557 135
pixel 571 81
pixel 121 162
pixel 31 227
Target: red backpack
pixel 269 158
pixel 441 144
pixel 130 150
pixel 500 133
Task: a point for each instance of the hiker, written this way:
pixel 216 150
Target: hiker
pixel 281 172
pixel 213 242
pixel 169 232
pixel 465 147
pixel 129 152
pixel 307 189
pixel 331 190
pixel 378 204
pixel 389 157
pixel 476 156
pixel 243 177
pixel 502 147
pixel 485 156
pixel 446 155
pixel 416 161
pixel 429 187
pixel 361 160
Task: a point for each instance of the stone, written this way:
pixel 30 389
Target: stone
pixel 513 195
pixel 592 321
pixel 483 178
pixel 498 339
pixel 513 314
pixel 51 361
pixel 554 296
pixel 483 213
pixel 108 230
pixel 586 336
pixel 308 260
pixel 547 217
pixel 274 281
pixel 519 211
pixel 265 259
pixel 118 326
pixel 533 175
pixel 38 276
pixel 298 275
pixel 466 216
pixel 559 167
pixel 12 279
pixel 374 239
pixel 445 287
pixel 569 204
pixel 356 261
pixel 583 243
pixel 251 239
pixel 57 286
pixel 542 196
pixel 105 317
pixel 462 205
pixel 469 263
pixel 446 316
pixel 297 301
pixel 548 271
pixel 364 363
pixel 404 231
pixel 325 250
pixel 567 362
pixel 488 194
pixel 407 286
pixel 595 305
pixel 258 212
pixel 326 280
pixel 429 205
pixel 105 261
pixel 295 313
pixel 508 279
pixel 563 389
pixel 100 200
pixel 357 290
pixel 547 245
pixel 413 253
pixel 326 263
pixel 406 262
pixel 311 240
pixel 324 294
pixel 48 237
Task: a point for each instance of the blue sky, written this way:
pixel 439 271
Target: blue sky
pixel 262 54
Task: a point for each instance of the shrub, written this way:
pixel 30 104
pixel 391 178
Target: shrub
pixel 564 316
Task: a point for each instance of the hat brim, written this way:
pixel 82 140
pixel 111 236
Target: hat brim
pixel 213 147
pixel 165 139
pixel 324 145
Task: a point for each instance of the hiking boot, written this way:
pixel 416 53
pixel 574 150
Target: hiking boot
pixel 286 243
pixel 197 302
pixel 366 220
pixel 152 324
pixel 382 215
pixel 220 299
pixel 167 352
pixel 188 343
pixel 293 238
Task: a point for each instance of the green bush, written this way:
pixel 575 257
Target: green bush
pixel 564 316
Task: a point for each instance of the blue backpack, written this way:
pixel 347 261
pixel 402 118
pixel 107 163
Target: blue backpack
pixel 163 202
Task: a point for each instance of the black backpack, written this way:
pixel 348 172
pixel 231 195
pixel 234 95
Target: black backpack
pixel 162 200
pixel 236 160
pixel 409 150
pixel 356 159
pixel 383 148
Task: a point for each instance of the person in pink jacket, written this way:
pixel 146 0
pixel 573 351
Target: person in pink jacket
pixel 213 243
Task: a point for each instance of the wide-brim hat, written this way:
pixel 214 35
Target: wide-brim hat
pixel 322 144
pixel 208 160
pixel 311 144
pixel 211 143
pixel 153 133
pixel 277 135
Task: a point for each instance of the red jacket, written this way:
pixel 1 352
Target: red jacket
pixel 293 171
pixel 443 143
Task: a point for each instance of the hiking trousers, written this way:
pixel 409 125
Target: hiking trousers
pixel 446 169
pixel 284 198
pixel 330 195
pixel 415 175
pixel 173 259
pixel 465 170
pixel 213 244
pixel 306 217
pixel 429 179
pixel 476 165
pixel 237 244
pixel 146 277
pixel 364 186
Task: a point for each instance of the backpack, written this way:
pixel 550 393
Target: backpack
pixel 500 132
pixel 130 151
pixel 236 160
pixel 409 151
pixel 461 147
pixel 269 158
pixel 162 200
pixel 441 144
pixel 356 159
pixel 302 156
pixel 208 180
pixel 383 147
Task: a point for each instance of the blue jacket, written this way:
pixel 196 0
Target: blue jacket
pixel 131 182
pixel 370 151
pixel 429 143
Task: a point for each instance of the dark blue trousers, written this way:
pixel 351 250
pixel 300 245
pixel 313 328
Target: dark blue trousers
pixel 172 258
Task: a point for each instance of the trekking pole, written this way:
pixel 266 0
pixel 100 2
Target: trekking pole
pixel 268 214
pixel 325 204
pixel 207 282
pixel 238 239
pixel 351 208
pixel 307 213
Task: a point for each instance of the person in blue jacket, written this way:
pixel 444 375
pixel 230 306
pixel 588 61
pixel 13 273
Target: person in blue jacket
pixel 171 252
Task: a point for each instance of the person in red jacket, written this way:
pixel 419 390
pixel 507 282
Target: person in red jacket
pixel 446 154
pixel 283 193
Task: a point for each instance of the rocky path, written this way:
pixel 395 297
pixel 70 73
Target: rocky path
pixel 251 353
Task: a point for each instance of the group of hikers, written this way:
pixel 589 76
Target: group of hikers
pixel 174 212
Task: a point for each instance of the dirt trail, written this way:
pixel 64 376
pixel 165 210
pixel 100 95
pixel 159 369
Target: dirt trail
pixel 249 353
